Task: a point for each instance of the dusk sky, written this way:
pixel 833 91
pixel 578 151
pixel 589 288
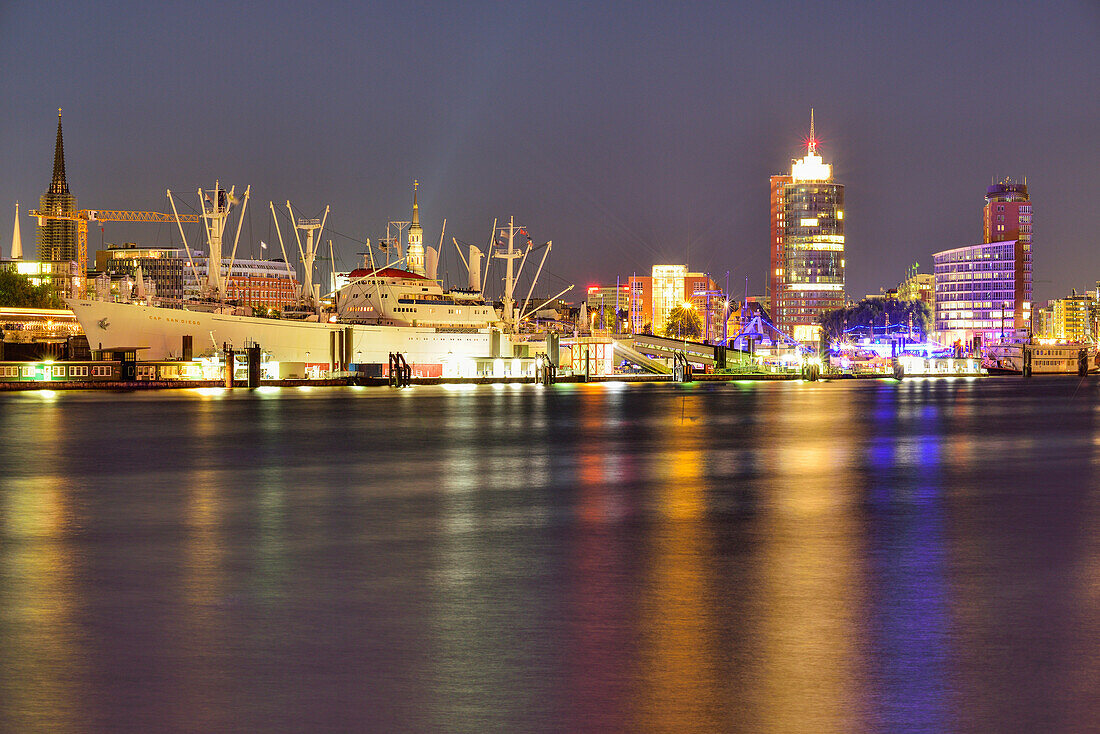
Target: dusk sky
pixel 628 133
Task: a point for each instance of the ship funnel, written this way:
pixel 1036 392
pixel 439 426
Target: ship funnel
pixel 475 268
pixel 431 262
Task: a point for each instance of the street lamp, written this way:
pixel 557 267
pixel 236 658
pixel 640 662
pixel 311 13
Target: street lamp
pixel 686 305
pixel 726 322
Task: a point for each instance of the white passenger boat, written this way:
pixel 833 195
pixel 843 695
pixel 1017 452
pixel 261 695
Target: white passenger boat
pixel 1039 359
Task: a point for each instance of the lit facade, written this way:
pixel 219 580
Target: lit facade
pixel 1073 318
pixel 807 246
pixel 62 276
pixel 160 265
pixel 919 287
pixel 256 283
pixel 989 286
pixel 778 194
pixel 414 256
pixel 980 291
pixel 668 292
pixel 641 303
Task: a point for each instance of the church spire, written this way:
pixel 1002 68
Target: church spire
pixel 415 253
pixel 59 185
pixel 16 238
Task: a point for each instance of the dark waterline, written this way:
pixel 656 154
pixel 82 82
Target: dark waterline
pixel 860 556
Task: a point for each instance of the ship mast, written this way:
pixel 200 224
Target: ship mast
pixel 215 205
pixel 308 254
pixel 215 212
pixel 510 255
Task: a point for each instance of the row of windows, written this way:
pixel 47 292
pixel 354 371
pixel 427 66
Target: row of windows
pixel 59 370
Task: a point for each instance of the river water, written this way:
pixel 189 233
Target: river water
pixel 847 556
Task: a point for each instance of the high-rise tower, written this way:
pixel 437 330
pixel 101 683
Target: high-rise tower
pixel 415 253
pixel 985 290
pixel 807 247
pixel 57 239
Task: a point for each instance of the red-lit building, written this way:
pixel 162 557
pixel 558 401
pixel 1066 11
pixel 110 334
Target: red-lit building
pixel 778 241
pixel 603 297
pixel 640 293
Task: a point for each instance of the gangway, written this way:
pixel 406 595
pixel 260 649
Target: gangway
pixel 703 355
pixel 624 351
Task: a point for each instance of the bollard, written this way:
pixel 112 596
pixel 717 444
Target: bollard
pixel 253 353
pixel 230 365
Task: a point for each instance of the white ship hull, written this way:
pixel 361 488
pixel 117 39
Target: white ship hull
pixel 1046 359
pixel 322 344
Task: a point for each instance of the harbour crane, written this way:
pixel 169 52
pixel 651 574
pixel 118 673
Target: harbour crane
pixel 84 216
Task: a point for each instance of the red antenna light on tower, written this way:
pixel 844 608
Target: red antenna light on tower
pixel 811 142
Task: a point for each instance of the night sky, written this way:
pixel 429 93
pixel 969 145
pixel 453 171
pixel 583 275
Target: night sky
pixel 629 133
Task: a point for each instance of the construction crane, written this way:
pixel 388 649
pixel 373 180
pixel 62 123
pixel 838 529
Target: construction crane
pixel 84 216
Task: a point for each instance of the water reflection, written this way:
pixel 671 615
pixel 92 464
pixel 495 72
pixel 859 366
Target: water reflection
pixel 678 689
pixel 808 605
pixel 867 556
pixel 42 645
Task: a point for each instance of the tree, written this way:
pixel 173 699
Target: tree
pixel 683 323
pixel 877 316
pixel 17 290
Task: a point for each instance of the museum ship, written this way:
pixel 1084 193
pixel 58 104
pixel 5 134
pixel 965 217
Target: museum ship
pixel 381 311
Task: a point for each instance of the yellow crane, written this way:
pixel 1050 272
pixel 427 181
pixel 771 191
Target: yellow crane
pixel 84 216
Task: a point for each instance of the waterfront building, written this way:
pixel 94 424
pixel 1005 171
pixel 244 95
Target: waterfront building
pixel 919 287
pixel 256 283
pixel 988 287
pixel 1073 318
pixel 1007 213
pixel 161 267
pixel 36 333
pixel 980 292
pixel 1042 320
pixel 602 299
pixel 778 194
pixel 63 277
pixel 641 303
pixel 668 292
pixel 652 297
pixel 57 239
pixel 807 244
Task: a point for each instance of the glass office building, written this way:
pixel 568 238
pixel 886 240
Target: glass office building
pixel 980 291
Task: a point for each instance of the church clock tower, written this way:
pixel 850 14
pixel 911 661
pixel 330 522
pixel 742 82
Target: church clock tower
pixel 416 237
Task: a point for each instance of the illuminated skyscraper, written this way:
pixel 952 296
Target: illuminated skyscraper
pixel 57 239
pixel 985 290
pixel 1007 216
pixel 807 247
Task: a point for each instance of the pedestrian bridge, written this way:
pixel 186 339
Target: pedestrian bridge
pixel 647 352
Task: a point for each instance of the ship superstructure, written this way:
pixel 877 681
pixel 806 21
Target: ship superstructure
pixel 380 311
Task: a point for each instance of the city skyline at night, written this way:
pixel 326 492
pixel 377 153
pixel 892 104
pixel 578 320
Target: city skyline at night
pixel 650 145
